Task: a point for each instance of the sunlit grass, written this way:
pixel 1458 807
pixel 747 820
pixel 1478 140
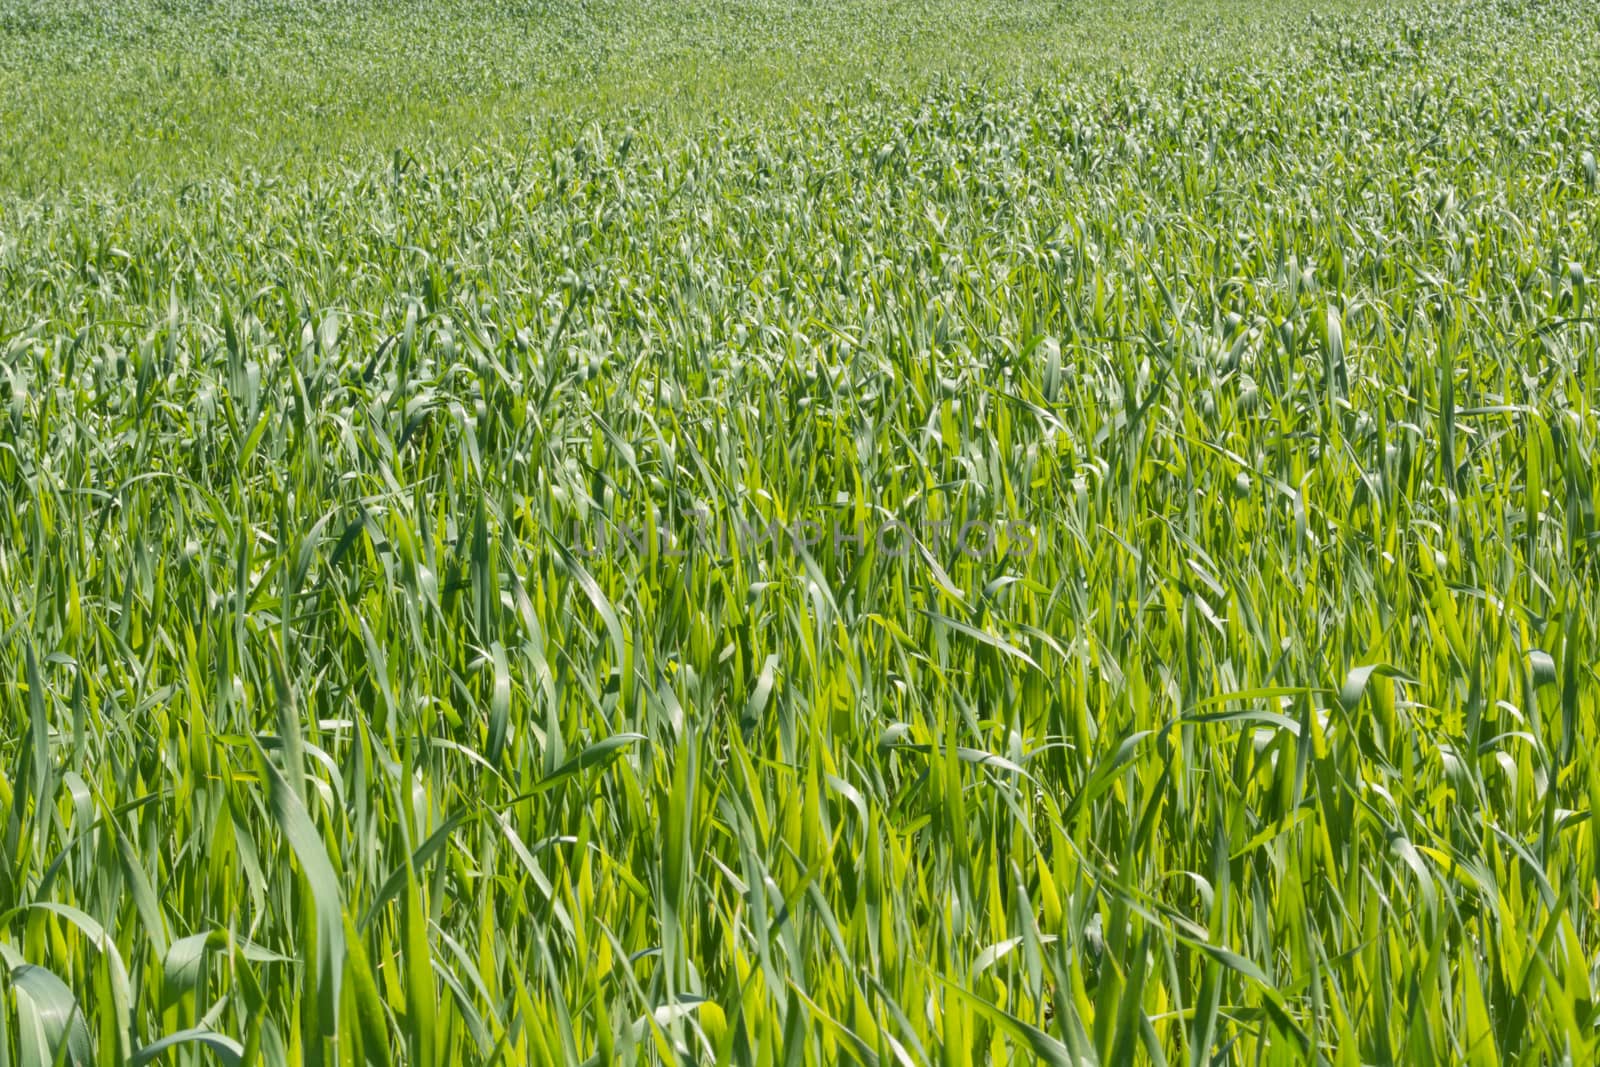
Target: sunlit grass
pixel 349 717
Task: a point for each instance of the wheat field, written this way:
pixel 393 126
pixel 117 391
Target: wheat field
pixel 768 533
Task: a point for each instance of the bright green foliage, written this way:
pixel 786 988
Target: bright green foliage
pixel 342 723
pixel 158 92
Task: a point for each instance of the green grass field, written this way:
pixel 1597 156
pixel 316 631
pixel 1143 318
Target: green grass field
pixel 755 532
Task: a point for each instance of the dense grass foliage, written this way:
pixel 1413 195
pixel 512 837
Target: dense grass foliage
pixel 374 690
pixel 161 92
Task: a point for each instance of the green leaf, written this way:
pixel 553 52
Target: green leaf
pixel 308 849
pixel 47 1008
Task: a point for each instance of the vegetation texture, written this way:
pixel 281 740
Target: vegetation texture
pixel 371 689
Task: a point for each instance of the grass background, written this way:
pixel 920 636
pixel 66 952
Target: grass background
pixel 322 744
pixel 159 93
